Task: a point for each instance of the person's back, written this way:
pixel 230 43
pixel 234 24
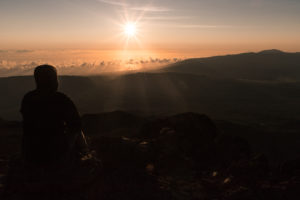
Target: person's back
pixel 50 120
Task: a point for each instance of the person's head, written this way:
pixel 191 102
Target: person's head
pixel 46 78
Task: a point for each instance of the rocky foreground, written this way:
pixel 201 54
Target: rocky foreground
pixel 185 156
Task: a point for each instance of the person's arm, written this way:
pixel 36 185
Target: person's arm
pixel 22 110
pixel 73 122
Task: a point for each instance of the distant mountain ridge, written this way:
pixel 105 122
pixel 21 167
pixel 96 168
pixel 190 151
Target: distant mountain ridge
pixel 265 65
pixel 257 86
pixel 271 51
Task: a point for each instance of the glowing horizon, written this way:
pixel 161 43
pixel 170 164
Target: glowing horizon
pixel 95 31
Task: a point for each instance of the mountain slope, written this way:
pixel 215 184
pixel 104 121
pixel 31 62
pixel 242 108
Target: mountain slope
pixel 265 65
pixel 167 93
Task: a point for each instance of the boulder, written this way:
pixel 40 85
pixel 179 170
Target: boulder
pixel 182 141
pixel 231 149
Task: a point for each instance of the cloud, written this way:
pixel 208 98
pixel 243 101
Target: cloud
pixel 10 68
pixel 166 18
pixel 137 8
pixel 151 9
pixel 113 2
pixel 199 26
pixel 18 51
pixel 24 51
pixel 162 61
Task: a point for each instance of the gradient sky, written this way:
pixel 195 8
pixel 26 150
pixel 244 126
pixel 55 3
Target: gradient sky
pixel 172 28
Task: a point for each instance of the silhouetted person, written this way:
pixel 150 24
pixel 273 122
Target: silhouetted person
pixel 51 122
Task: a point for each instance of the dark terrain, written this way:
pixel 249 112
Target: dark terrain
pixel 185 156
pixel 246 145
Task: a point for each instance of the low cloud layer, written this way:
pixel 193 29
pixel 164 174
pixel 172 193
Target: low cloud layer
pixel 12 68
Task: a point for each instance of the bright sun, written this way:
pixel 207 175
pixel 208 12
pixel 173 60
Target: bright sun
pixel 130 29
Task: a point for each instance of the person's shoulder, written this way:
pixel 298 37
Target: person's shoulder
pixel 28 99
pixel 63 96
pixel 30 94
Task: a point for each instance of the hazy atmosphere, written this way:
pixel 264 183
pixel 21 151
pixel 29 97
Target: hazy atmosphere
pixel 94 33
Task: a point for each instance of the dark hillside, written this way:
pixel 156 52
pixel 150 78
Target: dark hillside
pixel 260 102
pixel 265 65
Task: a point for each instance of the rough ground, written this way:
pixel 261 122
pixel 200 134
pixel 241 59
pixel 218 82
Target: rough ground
pixel 179 157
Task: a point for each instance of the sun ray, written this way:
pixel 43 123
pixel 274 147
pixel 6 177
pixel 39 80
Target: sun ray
pixel 130 29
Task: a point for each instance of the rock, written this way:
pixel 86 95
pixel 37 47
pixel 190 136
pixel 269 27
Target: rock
pixel 187 124
pixel 230 149
pixel 182 141
pixel 114 124
pixel 291 168
pixel 240 193
pixel 250 170
pixel 121 153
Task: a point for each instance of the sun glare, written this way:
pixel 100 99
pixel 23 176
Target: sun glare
pixel 130 29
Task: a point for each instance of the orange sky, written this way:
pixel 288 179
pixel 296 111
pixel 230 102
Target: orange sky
pixel 72 32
